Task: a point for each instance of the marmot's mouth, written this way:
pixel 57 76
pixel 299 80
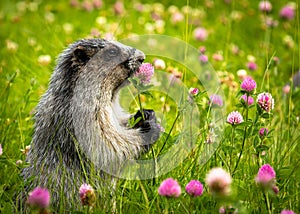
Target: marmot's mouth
pixel 130 66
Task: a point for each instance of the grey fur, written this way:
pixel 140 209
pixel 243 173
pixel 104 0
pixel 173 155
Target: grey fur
pixel 81 132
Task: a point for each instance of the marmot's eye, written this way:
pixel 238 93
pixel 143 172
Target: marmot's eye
pixel 112 52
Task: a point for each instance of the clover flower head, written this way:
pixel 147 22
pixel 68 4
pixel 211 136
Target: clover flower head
pixel 169 188
pixel 248 100
pixel 248 84
pixel 215 100
pixel 194 188
pixel 222 210
pixel 203 58
pixel 287 212
pixel 159 64
pixel 200 34
pixel 87 195
pixel 266 175
pixel 202 49
pixel 287 12
pixel 194 91
pixel 263 132
pixel 177 17
pixel 275 190
pixel 242 74
pixel 265 101
pixel 286 89
pixel 145 73
pixel 39 198
pixel 235 118
pixel 217 57
pixel 218 181
pixel 265 6
pixel 252 66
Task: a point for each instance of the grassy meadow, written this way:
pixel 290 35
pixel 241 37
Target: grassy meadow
pixel 232 39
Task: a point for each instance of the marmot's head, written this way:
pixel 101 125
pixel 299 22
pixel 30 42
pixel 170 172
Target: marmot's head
pixel 97 61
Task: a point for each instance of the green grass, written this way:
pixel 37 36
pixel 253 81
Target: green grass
pixel 23 80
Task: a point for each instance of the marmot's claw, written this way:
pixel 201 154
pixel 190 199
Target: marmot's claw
pixel 144 123
pixel 148 127
pixel 149 115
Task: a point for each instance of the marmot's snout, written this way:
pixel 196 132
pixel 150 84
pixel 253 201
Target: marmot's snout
pixel 138 55
pixel 135 61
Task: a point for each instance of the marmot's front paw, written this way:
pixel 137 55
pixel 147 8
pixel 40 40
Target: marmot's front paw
pixel 144 122
pixel 148 127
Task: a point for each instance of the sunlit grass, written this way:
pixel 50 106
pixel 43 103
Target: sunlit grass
pixel 236 31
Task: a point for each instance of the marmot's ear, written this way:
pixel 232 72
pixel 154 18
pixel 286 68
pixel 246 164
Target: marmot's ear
pixel 81 54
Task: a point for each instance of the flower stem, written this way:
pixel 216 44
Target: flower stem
pixel 244 139
pixel 267 202
pixel 140 105
pixel 232 140
pixel 166 206
pixel 155 166
pixel 239 158
pixel 169 133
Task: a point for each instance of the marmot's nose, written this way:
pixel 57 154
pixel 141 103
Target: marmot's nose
pixel 139 55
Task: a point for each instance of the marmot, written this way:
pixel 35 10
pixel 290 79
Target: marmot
pixel 80 128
